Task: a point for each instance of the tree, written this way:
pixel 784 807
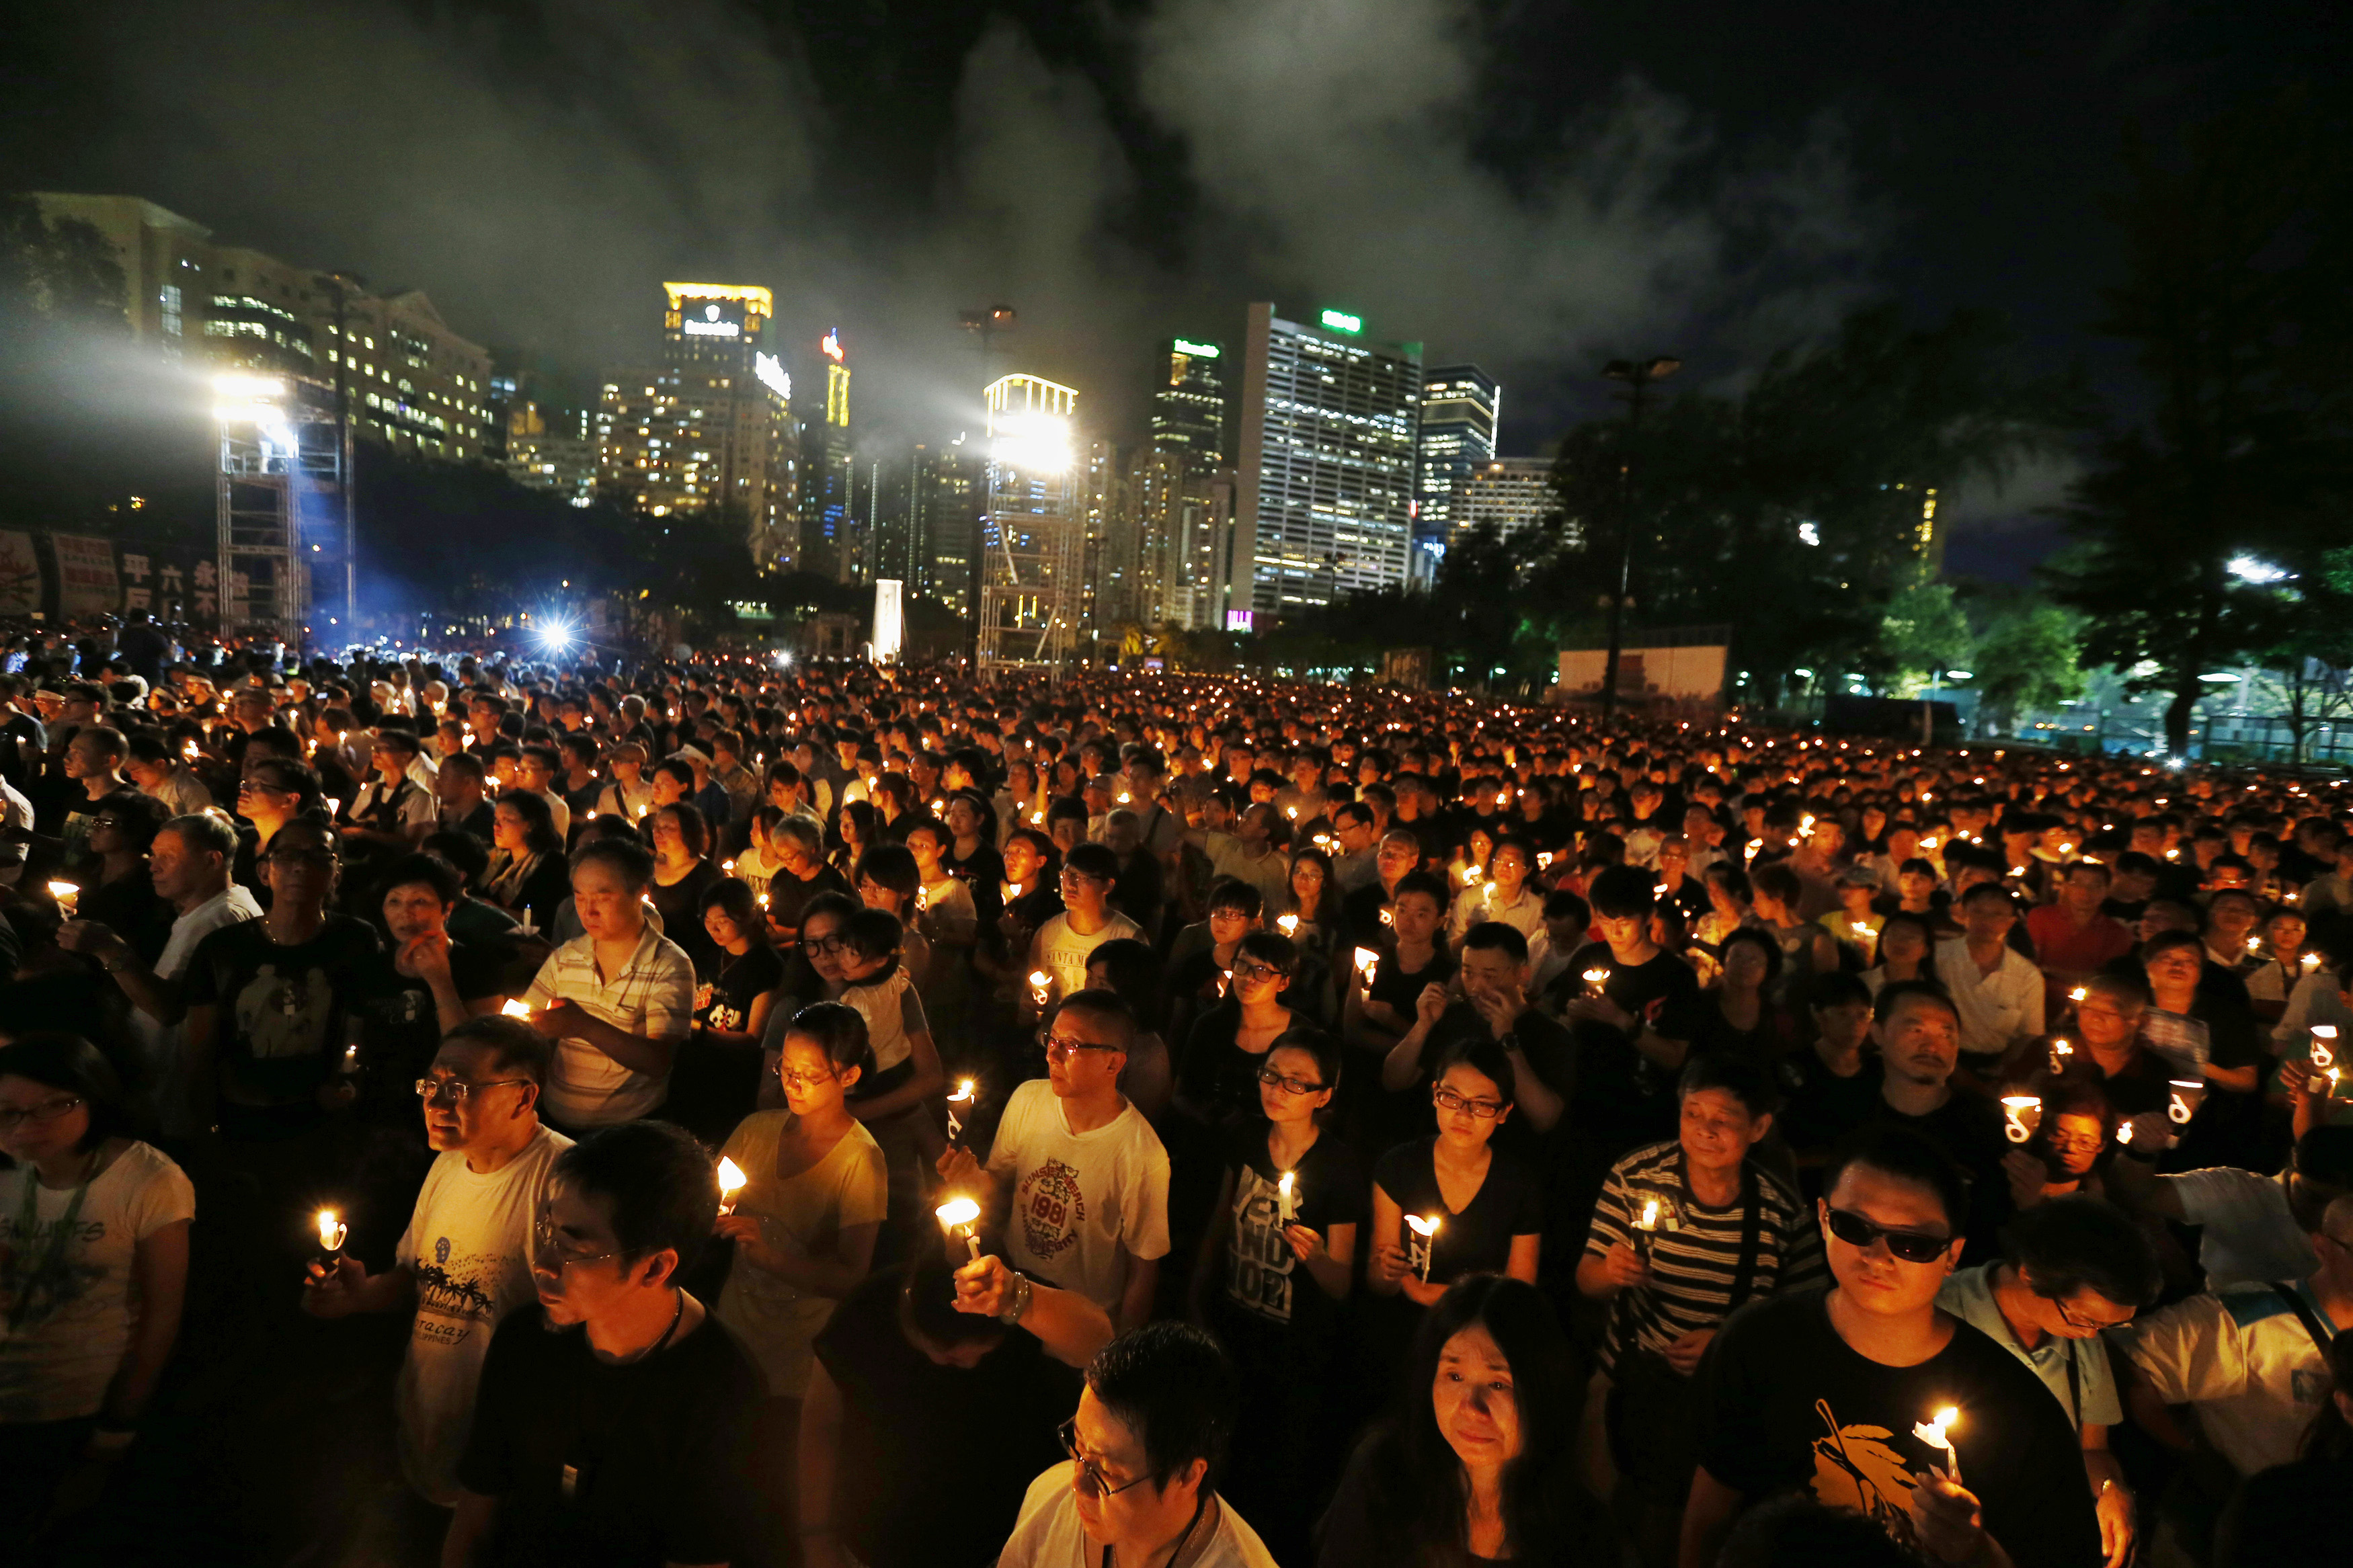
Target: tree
pixel 2026 657
pixel 2238 455
pixel 2308 663
pixel 1923 634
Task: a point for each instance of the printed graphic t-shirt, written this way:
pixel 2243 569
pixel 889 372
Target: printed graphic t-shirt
pixel 468 1247
pixel 1785 1405
pixel 1080 1197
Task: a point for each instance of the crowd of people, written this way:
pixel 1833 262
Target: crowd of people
pixel 491 1113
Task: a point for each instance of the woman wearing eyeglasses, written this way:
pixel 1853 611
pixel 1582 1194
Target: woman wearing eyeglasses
pixel 93 1269
pixel 803 1226
pixel 1473 1468
pixel 1488 1203
pixel 123 899
pixel 1271 1285
pixel 1228 1046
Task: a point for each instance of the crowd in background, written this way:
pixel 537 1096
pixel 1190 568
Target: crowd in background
pixel 729 1112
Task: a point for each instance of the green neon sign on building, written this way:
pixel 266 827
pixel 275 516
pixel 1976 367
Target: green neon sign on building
pixel 1341 321
pixel 1198 351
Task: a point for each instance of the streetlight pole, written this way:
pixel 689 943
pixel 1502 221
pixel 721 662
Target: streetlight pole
pixel 1638 378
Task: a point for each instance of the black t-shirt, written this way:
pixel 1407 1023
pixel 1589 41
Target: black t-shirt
pixel 1509 1203
pixel 594 1463
pixel 1622 1097
pixel 726 1003
pixel 1783 1404
pixel 130 909
pixel 283 1011
pixel 788 895
pixel 1263 1277
pixel 680 904
pixel 400 1027
pixel 2142 1085
pixel 1401 987
pixel 1219 1078
pixel 912 1485
pixel 1820 1108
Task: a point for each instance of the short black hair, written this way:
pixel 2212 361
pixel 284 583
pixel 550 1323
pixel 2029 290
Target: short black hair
pixel 1833 986
pixel 430 869
pixel 1425 882
pixel 629 859
pixel 1323 1047
pixel 1495 936
pixel 1094 860
pixel 1761 940
pixel 1744 1080
pixel 1895 990
pixel 516 1046
pixel 1170 1383
pixel 1622 891
pixel 2081 1242
pixel 659 1183
pixel 1235 896
pixel 58 1060
pixel 1977 893
pixel 1796 1532
pixel 2324 1155
pixel 1907 1156
pixel 1106 1007
pixel 840 1028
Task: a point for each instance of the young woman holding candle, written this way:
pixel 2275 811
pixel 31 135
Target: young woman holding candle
pixel 1474 1467
pixel 1273 1271
pixel 1489 1204
pixel 93 1271
pixel 682 874
pixel 804 1224
pixel 527 876
pixel 1906 951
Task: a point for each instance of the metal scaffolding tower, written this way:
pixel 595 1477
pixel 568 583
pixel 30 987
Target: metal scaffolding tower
pixel 279 480
pixel 1033 532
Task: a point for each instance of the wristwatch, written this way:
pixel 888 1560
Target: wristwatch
pixel 1020 1303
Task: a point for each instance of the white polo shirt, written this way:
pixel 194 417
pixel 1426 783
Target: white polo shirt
pixel 2245 1357
pixel 1995 1008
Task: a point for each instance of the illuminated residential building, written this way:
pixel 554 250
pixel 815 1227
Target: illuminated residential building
pixel 1033 530
pixel 1460 406
pixel 551 451
pixel 413 384
pixel 707 431
pixel 1504 494
pixel 1327 475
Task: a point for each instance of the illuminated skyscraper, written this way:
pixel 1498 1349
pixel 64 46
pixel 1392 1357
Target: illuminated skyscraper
pixel 834 535
pixel 1033 534
pixel 709 430
pixel 1168 486
pixel 1460 405
pixel 1505 494
pixel 1325 499
pixel 1188 405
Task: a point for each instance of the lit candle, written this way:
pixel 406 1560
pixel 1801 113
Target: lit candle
pixel 2020 1115
pixel 1595 979
pixel 514 1009
pixel 2254 944
pixel 2060 1052
pixel 1388 916
pixel 1286 1200
pixel 1937 1433
pixel 67 894
pixel 1646 1227
pixel 961 1217
pixel 967 1093
pixel 1039 981
pixel 732 1181
pixel 1417 1243
pixel 1287 924
pixel 1367 960
pixel 333 1233
pixel 1543 859
pixel 2311 961
pixel 2324 1045
pixel 1470 875
pixel 2188 1093
pixel 2077 994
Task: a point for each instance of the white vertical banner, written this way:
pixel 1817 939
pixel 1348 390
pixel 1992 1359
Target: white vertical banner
pixel 890 630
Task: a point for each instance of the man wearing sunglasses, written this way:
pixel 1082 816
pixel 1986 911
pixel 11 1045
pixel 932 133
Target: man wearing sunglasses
pixel 465 1261
pixel 2072 1267
pixel 1144 1448
pixel 1821 1393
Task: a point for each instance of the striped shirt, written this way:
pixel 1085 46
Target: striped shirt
pixel 652 997
pixel 1692 1264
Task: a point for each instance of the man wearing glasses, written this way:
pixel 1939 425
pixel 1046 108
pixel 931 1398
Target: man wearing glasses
pixel 2072 1269
pixel 1146 1445
pixel 628 1442
pixel 1085 1175
pixel 465 1261
pixel 1086 923
pixel 1835 1393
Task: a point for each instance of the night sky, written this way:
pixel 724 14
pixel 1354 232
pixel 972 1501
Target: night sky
pixel 1533 186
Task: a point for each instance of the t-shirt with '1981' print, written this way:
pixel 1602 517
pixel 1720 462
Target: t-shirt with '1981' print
pixel 1080 1200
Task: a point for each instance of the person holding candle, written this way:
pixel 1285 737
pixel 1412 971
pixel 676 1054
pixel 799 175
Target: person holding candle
pixel 2253 1228
pixel 1086 923
pixel 1475 1465
pixel 527 876
pixel 1078 1176
pixel 616 999
pixel 1400 854
pixel 896 1101
pixel 464 1262
pixel 1821 1392
pixel 2073 938
pixel 93 1274
pixel 1273 1272
pixel 2072 1269
pixel 1829 1086
pixel 628 1442
pixel 1146 1447
pixel 1739 1235
pixel 1489 1200
pixel 1227 1047
pixel 715 1076
pixel 805 1223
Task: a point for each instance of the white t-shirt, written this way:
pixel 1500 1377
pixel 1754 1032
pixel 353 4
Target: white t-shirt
pixel 2252 1236
pixel 1079 1198
pixel 468 1245
pixel 1062 952
pixel 1048 1535
pixel 70 1308
pixel 1995 1008
pixel 160 1042
pixel 2246 1360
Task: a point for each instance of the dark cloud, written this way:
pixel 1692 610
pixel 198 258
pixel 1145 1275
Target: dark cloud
pixel 540 170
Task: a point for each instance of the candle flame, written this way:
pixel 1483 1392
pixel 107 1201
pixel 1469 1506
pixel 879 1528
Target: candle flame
pixel 1288 924
pixel 965 1089
pixel 1038 977
pixel 514 1009
pixel 332 1230
pixel 732 1179
pixel 1651 1214
pixel 958 1212
pixel 1285 1184
pixel 1423 1226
